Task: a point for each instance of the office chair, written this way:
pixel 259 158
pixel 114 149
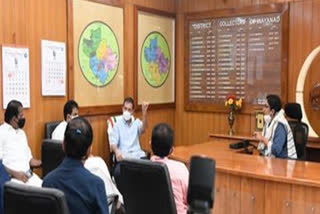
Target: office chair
pixel 20 198
pixel 51 154
pixel 49 128
pixel 112 158
pixel 299 129
pixel 201 185
pixel 146 187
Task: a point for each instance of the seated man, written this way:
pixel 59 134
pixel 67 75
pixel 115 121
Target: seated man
pixel 85 192
pixel 70 111
pixel 162 147
pixel 276 138
pixel 16 154
pixel 124 140
pixel 95 165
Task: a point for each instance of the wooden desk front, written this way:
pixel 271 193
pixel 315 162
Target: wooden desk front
pixel 254 184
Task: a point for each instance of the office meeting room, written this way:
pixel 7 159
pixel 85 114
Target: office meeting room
pixel 160 106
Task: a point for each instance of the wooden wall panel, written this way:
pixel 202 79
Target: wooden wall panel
pixel 303 37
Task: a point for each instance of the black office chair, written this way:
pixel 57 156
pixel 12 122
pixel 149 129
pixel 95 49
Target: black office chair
pixel 49 128
pixel 20 198
pixel 299 129
pixel 146 187
pixel 51 155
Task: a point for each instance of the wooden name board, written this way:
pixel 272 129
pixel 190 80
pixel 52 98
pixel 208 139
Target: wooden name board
pixel 240 53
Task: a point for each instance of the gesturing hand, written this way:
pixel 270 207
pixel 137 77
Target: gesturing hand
pixel 145 106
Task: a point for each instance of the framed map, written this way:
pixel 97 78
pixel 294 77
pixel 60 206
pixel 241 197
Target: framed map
pixel 155 57
pixel 98 54
pixel 95 38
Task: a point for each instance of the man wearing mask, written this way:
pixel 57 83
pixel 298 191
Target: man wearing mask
pixel 70 111
pixel 276 138
pixel 124 140
pixel 16 154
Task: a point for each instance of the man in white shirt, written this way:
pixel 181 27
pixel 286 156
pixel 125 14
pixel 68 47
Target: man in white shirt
pixel 16 154
pixel 94 164
pixel 70 111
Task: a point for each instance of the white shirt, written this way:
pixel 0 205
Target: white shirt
pixel 2 136
pixel 98 167
pixel 16 151
pixel 58 133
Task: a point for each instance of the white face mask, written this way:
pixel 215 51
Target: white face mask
pixel 267 118
pixel 126 115
pixel 73 116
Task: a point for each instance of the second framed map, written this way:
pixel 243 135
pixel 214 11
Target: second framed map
pixel 155 57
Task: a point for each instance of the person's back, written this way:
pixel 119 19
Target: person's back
pixel 85 192
pixel 78 184
pixel 162 143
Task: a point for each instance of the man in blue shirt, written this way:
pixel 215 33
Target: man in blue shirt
pixel 124 140
pixel 85 192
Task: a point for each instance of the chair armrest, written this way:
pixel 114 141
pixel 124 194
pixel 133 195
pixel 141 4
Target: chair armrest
pixel 148 154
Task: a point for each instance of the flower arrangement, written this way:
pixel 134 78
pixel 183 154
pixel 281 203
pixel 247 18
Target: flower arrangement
pixel 233 103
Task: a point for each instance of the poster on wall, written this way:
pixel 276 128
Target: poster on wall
pixel 97 77
pixel 53 68
pixel 15 75
pixel 156 58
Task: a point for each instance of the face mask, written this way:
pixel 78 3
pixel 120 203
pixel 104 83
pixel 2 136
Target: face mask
pixel 73 116
pixel 126 115
pixel 21 122
pixel 267 118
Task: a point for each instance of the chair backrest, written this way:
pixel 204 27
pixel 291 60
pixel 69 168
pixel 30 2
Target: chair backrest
pixel 293 110
pixel 110 124
pixel 20 198
pixel 300 132
pixel 51 155
pixel 146 187
pixel 49 128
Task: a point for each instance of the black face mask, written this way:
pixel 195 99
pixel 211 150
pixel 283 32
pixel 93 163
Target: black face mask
pixel 21 122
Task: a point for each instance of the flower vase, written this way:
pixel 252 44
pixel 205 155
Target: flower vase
pixel 231 121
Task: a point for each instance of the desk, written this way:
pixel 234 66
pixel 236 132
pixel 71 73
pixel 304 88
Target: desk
pixel 312 147
pixel 254 184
